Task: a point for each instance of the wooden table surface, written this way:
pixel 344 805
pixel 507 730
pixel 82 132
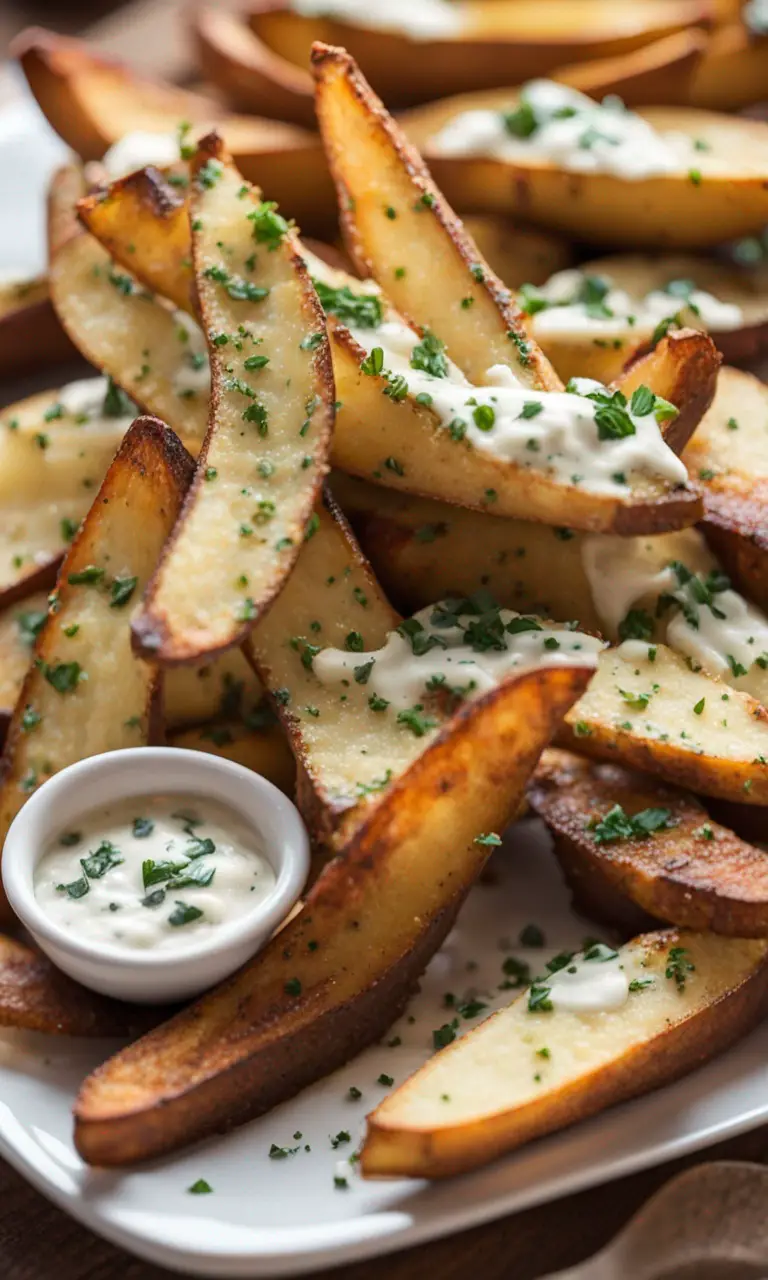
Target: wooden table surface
pixel 38 1241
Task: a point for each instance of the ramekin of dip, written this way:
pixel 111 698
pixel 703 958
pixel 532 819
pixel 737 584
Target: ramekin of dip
pixel 152 873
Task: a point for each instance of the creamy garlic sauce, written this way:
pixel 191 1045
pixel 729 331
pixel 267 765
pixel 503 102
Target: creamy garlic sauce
pixel 193 376
pixel 437 652
pixel 574 303
pixel 138 149
pixel 595 981
pixel 157 872
pixel 557 124
pixel 552 431
pixel 423 20
pixel 85 400
pixel 704 619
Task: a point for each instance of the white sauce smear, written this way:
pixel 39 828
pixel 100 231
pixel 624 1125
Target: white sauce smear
pixel 423 20
pixel 157 872
pixel 589 985
pixel 138 149
pixel 557 124
pixel 436 651
pixel 552 431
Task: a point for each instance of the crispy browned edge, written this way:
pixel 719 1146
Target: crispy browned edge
pixel 51 61
pixel 717 884
pixel 148 444
pixel 697 363
pixel 36 996
pixel 460 241
pixel 245 1079
pixel 676 1052
pixel 150 628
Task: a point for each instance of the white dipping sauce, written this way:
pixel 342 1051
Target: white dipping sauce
pixel 85 401
pixel 566 305
pixel 550 431
pixel 138 149
pixel 554 123
pixel 431 657
pixel 154 873
pixel 589 985
pixel 419 19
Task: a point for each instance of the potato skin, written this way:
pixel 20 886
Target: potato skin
pixel 713 882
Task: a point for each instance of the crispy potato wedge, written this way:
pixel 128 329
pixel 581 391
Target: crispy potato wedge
pixel 733 72
pixel 500 1094
pixel 36 996
pixel 62 714
pixel 658 73
pixel 693 872
pixel 518 254
pixel 226 688
pixel 721 751
pixel 313 998
pixel 118 326
pixel 265 454
pixel 264 750
pixel 671 211
pixel 19 625
pixel 602 349
pixel 422 550
pixel 729 458
pixel 92 102
pixel 253 78
pixel 30 334
pixel 430 268
pixel 490 44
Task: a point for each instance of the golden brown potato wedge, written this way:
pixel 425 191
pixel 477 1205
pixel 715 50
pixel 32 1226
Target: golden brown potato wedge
pixel 658 73
pixel 672 863
pixel 30 334
pixel 35 996
pixel 85 692
pixel 491 1091
pixel 733 72
pixel 315 997
pixel 728 456
pixel 19 625
pixel 264 750
pixel 720 195
pixel 92 102
pixel 264 458
pixel 641 711
pixel 600 347
pixel 487 44
pixel 400 230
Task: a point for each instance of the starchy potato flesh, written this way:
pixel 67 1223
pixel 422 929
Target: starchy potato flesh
pixel 264 458
pixel 602 354
pixel 18 624
pixel 89 692
pixel 92 103
pixel 315 996
pixel 36 996
pixel 493 43
pixel 693 872
pixel 265 751
pixel 728 456
pixel 491 1091
pixel 121 329
pixel 720 752
pixel 670 212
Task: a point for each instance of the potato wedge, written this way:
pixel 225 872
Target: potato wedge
pixel 601 347
pixel 729 458
pixel 83 647
pixel 30 334
pixel 690 871
pixel 265 454
pixel 733 72
pixel 315 997
pixel 640 710
pixel 434 273
pixel 92 102
pixel 19 625
pixel 226 688
pixel 485 44
pixel 658 73
pixel 517 254
pixel 490 1091
pixel 264 750
pixel 36 996
pixel 725 198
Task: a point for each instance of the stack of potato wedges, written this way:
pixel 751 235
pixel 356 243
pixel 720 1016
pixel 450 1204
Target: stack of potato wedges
pixel 263 489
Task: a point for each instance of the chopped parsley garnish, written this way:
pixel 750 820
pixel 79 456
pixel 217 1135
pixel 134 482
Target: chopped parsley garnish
pixel 76 888
pixel 121 591
pixel 532 936
pixel 200 1188
pixel 679 966
pixel 269 226
pixel 618 825
pixel 64 677
pixel 183 914
pixel 539 999
pixel 361 310
pixel 104 858
pixel 429 356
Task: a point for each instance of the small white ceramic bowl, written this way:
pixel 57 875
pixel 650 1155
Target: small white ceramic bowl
pixel 152 977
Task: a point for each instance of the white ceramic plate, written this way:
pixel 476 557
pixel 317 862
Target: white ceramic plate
pixel 270 1217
